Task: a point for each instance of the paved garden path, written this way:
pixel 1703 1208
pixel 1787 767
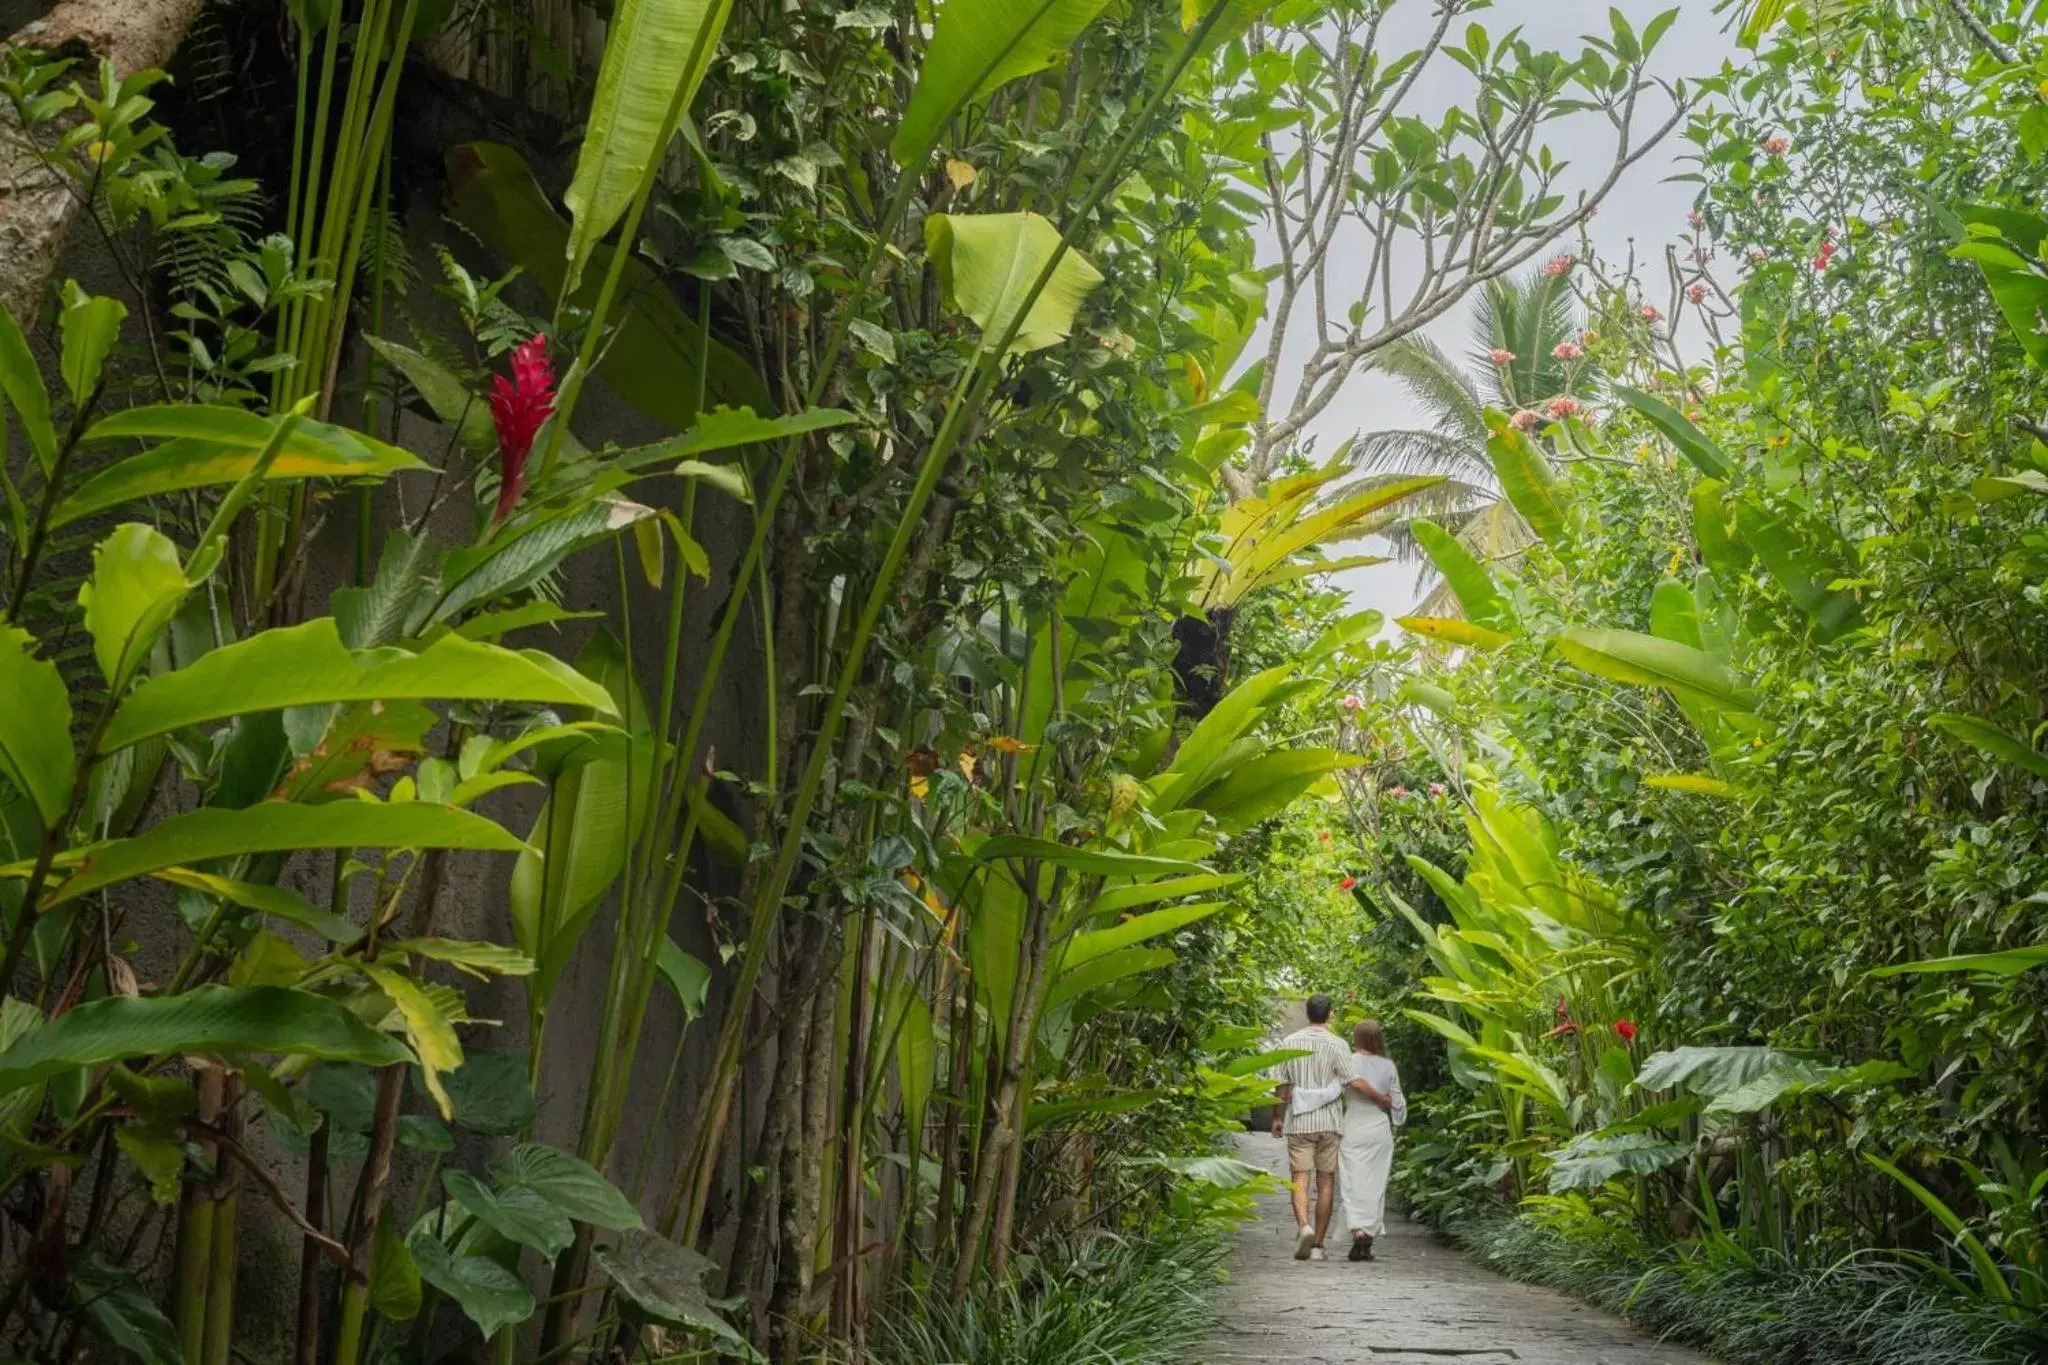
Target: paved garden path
pixel 1420 1303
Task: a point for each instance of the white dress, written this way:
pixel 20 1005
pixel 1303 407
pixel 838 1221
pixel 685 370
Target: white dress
pixel 1366 1157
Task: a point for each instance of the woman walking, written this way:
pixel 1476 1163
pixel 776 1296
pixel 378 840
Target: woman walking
pixel 1372 1111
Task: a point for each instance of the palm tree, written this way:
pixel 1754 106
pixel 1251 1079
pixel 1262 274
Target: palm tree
pixel 1519 328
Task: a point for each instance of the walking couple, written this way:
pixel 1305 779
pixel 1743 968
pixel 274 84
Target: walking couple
pixel 1339 1106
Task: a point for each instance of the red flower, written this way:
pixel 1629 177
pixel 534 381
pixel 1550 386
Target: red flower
pixel 1626 1028
pixel 1324 835
pixel 518 408
pixel 1347 883
pixel 1827 253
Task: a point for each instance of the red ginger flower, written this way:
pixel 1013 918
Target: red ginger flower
pixel 1626 1028
pixel 518 409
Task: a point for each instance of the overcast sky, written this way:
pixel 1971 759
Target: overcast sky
pixel 1646 209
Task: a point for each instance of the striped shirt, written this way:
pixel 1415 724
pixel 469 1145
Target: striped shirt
pixel 1328 1063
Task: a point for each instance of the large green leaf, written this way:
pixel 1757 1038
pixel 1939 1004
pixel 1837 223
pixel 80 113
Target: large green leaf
pixel 1981 734
pixel 664 1283
pixel 580 841
pixel 977 46
pixel 1085 948
pixel 1528 481
pixel 444 392
pixel 308 665
pixel 281 827
pixel 90 326
pixel 489 1295
pixel 1706 457
pixel 652 358
pixel 21 382
pixel 569 1183
pixel 516 1213
pixel 1105 970
pixel 687 975
pixel 1096 862
pixel 1591 1160
pixel 207 1019
pixel 1707 1070
pixel 1629 656
pixel 136 587
pixel 2005 962
pixel 655 54
pixel 988 264
pixel 1259 788
pixel 1478 597
pixel 118 1308
pixel 1800 568
pixel 35 726
pixel 205 446
pixel 1044 1113
pixel 2006 245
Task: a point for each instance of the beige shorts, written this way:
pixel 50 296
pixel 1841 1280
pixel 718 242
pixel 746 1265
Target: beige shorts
pixel 1313 1152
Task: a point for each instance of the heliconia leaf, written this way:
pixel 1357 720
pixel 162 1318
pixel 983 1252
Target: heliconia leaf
pixel 274 901
pixel 655 54
pixel 1528 481
pixel 988 263
pixel 1700 784
pixel 1692 443
pixel 35 726
pixel 916 1054
pixel 1981 734
pixel 977 46
pixel 1085 948
pixel 1478 597
pixel 1107 970
pixel 1453 630
pixel 206 1019
pixel 2003 244
pixel 1628 656
pixel 308 665
pixel 205 446
pixel 1265 784
pixel 1674 614
pixel 687 975
pixel 2005 962
pixel 1098 862
pixel 280 827
pixel 1044 1113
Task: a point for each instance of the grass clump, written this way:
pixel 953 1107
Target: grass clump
pixel 1102 1300
pixel 1758 1310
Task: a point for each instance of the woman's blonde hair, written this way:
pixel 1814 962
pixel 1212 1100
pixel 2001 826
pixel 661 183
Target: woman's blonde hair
pixel 1368 1036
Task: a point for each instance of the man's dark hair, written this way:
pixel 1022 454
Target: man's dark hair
pixel 1319 1009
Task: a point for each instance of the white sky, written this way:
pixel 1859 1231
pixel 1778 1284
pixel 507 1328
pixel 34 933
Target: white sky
pixel 1645 209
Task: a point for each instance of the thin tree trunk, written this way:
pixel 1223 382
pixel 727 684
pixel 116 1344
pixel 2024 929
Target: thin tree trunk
pixel 38 205
pixel 803 1163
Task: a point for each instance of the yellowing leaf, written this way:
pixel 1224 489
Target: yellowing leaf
pixel 1453 631
pixel 1697 783
pixel 960 173
pixel 427 1027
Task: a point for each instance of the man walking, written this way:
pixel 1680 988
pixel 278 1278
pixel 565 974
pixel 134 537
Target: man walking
pixel 1314 1134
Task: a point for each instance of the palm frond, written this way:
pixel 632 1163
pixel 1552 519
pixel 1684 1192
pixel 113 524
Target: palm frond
pixel 1530 318
pixel 1434 380
pixel 1421 452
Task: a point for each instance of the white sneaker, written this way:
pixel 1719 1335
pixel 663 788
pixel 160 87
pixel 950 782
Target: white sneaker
pixel 1319 1255
pixel 1303 1241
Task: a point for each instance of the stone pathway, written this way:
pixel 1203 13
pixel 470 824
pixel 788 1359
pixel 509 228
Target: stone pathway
pixel 1420 1303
